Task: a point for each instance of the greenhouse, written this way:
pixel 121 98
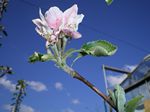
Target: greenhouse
pixel 136 82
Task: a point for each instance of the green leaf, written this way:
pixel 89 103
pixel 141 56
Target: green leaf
pixel 47 57
pixel 97 48
pixel 112 96
pixel 132 104
pixel 6 69
pixel 40 57
pixel 35 57
pixel 121 99
pixel 109 2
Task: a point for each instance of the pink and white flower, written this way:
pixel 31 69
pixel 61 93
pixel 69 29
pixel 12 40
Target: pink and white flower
pixel 55 22
pixel 48 26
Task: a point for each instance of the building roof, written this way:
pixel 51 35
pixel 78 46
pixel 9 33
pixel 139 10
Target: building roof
pixel 138 76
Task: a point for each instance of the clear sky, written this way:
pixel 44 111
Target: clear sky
pixel 125 23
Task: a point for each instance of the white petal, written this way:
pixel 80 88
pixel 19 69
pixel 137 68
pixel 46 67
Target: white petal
pixel 78 20
pixel 54 17
pixel 54 11
pixel 41 15
pixel 37 22
pixel 76 35
pixel 70 13
pixel 38 31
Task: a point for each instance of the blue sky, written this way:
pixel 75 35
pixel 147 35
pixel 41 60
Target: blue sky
pixel 124 23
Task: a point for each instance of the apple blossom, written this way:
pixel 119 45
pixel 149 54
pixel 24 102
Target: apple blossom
pixel 43 28
pixel 57 24
pixel 71 20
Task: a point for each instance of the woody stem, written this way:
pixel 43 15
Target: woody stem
pixel 77 76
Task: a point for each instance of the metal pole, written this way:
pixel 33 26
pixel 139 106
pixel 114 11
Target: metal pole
pixel 106 86
pixel 105 79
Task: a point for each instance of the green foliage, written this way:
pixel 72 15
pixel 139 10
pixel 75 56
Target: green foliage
pixel 132 104
pixel 47 57
pixel 3 6
pixel 18 95
pixel 40 57
pixel 120 97
pixel 97 48
pixel 109 2
pixel 35 57
pixel 119 100
pixel 5 70
pixel 112 96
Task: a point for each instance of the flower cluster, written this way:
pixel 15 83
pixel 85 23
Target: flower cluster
pixel 56 24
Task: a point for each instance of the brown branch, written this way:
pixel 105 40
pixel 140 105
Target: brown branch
pixel 96 90
pixel 77 76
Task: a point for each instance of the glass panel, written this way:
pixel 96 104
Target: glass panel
pixel 140 72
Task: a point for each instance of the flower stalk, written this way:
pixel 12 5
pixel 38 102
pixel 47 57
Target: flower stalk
pixel 63 45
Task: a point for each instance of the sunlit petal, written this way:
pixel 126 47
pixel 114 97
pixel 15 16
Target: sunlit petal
pixel 54 17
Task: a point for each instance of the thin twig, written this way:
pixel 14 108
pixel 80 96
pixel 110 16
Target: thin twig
pixel 96 90
pixel 77 76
